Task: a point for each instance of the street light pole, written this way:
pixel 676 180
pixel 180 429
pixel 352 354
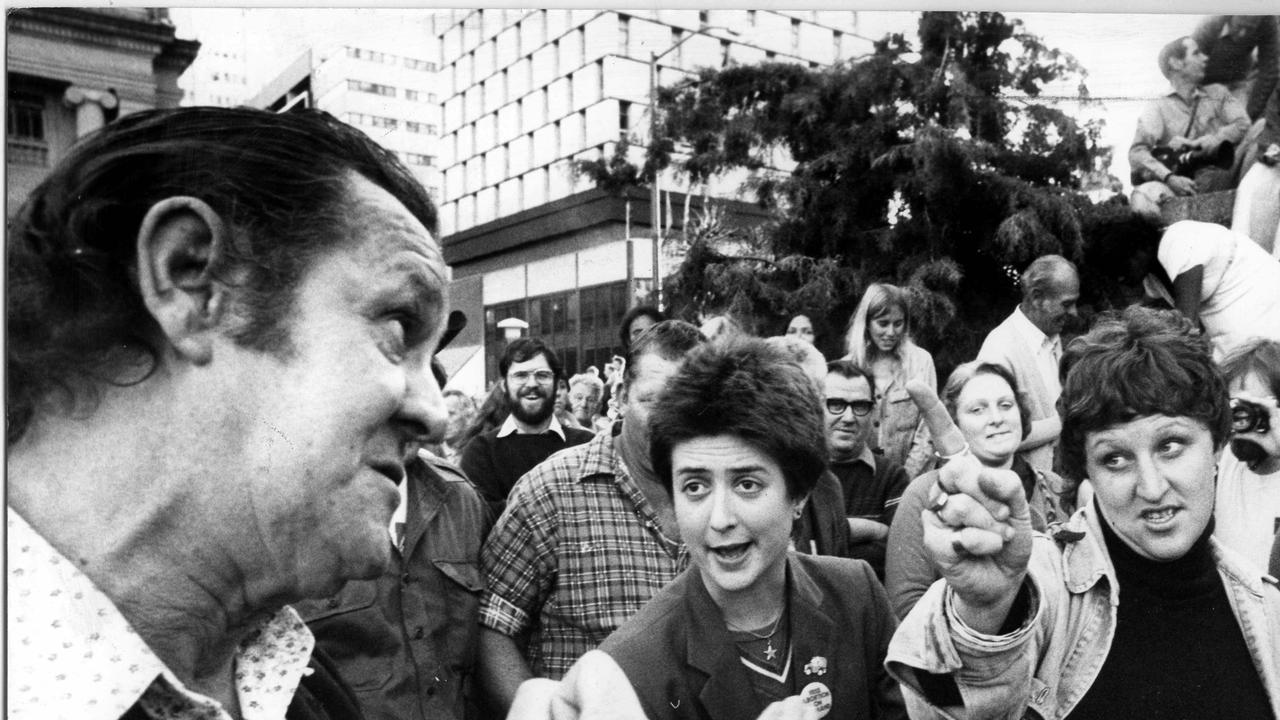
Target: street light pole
pixel 655 190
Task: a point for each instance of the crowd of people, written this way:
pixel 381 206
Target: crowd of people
pixel 237 487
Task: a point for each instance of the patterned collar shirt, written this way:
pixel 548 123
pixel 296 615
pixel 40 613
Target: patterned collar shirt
pixel 1046 350
pixel 578 551
pixel 73 655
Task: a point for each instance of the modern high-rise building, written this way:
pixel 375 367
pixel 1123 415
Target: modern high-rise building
pixel 70 70
pixel 393 96
pixel 528 92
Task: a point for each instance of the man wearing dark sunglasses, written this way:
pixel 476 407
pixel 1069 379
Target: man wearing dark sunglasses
pixel 872 485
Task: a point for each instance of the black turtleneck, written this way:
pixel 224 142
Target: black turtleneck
pixel 1178 650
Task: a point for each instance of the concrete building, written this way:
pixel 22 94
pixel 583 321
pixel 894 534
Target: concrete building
pixel 391 96
pixel 221 75
pixel 70 70
pixel 531 91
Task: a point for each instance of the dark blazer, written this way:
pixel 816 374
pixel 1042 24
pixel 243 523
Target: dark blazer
pixel 683 663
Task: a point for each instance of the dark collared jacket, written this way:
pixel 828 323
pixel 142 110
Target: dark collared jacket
pixel 684 664
pixel 406 642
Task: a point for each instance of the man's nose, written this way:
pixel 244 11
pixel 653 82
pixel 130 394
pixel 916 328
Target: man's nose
pixel 423 415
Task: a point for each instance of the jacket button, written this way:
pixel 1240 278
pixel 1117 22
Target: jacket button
pixel 431 691
pixel 419 633
pixel 404 578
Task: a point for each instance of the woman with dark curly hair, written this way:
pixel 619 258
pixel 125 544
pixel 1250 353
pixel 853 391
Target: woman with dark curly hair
pixel 1145 614
pixel 738 441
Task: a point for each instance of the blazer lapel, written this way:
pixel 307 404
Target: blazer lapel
pixel 814 634
pixel 727 694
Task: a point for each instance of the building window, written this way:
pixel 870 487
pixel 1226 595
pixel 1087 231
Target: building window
pixel 420 159
pixel 555 59
pixel 676 36
pixel 412 95
pixel 751 18
pixel 724 53
pixel 372 88
pixel 370 55
pixel 837 44
pixel 423 65
pixel 795 34
pixel 704 19
pixel 580 325
pixel 376 121
pixel 421 128
pixel 24 131
pixel 624 34
pixel 624 117
pixel 770 55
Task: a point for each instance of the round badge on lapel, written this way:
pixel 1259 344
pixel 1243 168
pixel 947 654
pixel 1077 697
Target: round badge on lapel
pixel 817 695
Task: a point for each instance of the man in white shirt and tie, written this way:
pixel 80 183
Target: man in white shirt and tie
pixel 1028 343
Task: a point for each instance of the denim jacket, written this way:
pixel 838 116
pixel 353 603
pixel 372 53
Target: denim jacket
pixel 902 436
pixel 1045 667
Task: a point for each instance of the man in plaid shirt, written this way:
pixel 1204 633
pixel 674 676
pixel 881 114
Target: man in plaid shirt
pixel 588 536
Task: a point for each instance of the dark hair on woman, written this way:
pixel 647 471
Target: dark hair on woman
pixel 526 349
pixel 967 371
pixel 1136 363
pixel 76 318
pixel 746 388
pixel 624 327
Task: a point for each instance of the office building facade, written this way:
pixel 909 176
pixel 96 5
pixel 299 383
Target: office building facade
pixel 531 91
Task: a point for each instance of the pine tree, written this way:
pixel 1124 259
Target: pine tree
pixel 934 169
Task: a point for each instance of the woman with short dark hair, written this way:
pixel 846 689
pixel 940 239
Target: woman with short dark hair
pixel 1144 614
pixel 738 441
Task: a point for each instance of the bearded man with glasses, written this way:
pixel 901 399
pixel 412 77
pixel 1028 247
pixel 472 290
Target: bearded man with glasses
pixel 495 460
pixel 872 484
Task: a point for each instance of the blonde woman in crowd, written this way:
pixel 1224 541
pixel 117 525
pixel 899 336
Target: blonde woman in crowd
pixel 879 338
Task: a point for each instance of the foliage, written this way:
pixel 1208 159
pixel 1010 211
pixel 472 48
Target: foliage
pixel 934 169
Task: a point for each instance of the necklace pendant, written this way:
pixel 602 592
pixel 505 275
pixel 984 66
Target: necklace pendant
pixel 769 652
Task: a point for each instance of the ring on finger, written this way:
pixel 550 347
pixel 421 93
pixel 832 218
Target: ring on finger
pixel 939 502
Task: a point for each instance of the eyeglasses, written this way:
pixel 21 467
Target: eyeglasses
pixel 861 408
pixel 544 377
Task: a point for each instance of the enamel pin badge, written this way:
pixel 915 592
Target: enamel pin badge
pixel 816 666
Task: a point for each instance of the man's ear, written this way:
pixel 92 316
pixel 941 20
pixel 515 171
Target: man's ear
pixel 179 242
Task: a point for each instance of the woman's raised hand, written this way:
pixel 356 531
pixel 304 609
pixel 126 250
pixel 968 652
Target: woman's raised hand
pixel 977 526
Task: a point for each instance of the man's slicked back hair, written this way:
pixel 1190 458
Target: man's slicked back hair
pixel 281 182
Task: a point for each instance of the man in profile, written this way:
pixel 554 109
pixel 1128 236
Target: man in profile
pixel 221 323
pixel 1028 344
